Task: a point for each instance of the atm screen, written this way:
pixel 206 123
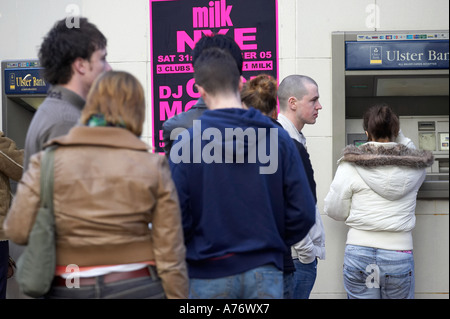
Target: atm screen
pixel 359 142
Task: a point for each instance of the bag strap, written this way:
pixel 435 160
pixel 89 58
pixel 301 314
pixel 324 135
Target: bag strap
pixel 47 177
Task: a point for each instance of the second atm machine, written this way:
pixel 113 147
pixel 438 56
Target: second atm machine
pixel 408 70
pixel 23 91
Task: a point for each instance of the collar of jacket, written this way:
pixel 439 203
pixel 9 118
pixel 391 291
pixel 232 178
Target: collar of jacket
pixel 380 154
pixel 200 104
pixel 61 93
pixel 101 136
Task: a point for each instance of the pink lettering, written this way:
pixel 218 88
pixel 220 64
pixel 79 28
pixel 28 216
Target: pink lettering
pixel 189 105
pixel 200 17
pixel 180 92
pixel 164 92
pixel 216 16
pixel 257 66
pixel 240 38
pixel 190 89
pixel 225 12
pixel 174 68
pixel 165 109
pixel 183 39
pixel 211 14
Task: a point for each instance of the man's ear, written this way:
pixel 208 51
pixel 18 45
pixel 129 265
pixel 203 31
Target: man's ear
pixel 79 66
pixel 201 90
pixel 241 83
pixel 291 103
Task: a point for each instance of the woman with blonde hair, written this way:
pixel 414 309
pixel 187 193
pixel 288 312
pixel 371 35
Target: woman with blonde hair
pixel 116 209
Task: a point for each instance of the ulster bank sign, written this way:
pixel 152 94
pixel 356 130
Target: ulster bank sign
pixel 25 81
pixel 412 55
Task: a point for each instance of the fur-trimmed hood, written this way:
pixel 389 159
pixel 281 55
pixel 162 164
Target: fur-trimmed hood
pixel 380 154
pixel 390 169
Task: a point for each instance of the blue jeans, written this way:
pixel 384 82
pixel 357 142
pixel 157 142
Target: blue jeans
pixel 288 285
pixel 304 278
pixel 265 282
pixel 371 273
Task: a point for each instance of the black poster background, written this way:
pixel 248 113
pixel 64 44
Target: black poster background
pixel 254 27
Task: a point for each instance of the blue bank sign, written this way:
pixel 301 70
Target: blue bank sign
pixel 25 81
pixel 397 55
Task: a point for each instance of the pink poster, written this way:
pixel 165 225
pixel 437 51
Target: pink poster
pixel 175 27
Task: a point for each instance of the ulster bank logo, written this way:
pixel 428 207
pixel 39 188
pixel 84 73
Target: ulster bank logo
pixel 376 55
pixel 29 81
pixel 25 82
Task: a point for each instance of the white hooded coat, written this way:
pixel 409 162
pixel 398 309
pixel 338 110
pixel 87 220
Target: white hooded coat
pixel 374 191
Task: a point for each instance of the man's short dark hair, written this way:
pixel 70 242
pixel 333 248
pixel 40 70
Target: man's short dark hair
pixel 63 45
pixel 215 70
pixel 220 41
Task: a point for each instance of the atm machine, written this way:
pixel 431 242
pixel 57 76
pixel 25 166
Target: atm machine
pixel 409 71
pixel 23 90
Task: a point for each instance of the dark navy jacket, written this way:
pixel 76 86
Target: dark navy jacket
pixel 235 218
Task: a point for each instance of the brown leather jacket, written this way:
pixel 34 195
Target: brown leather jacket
pixel 107 190
pixel 11 160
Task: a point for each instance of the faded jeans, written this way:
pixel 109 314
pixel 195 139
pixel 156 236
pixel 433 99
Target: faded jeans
pixel 304 278
pixel 264 282
pixel 372 273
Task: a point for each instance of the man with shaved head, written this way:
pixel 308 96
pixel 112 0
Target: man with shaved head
pixel 299 105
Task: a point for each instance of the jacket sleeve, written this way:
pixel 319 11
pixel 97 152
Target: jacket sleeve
pixel 339 198
pixel 305 249
pixel 300 204
pixel 11 161
pixel 167 235
pixel 22 214
pixel 167 129
pixel 402 139
pixel 180 178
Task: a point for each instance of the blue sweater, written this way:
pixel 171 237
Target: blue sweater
pixel 238 213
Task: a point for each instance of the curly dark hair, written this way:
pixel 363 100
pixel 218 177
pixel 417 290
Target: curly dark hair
pixel 64 44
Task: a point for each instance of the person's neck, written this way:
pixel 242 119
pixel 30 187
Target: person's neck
pixel 291 117
pixel 382 140
pixel 76 87
pixel 223 102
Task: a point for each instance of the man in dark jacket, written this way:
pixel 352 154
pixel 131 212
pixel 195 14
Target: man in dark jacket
pixel 243 191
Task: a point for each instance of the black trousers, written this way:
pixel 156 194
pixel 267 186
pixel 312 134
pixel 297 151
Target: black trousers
pixel 4 255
